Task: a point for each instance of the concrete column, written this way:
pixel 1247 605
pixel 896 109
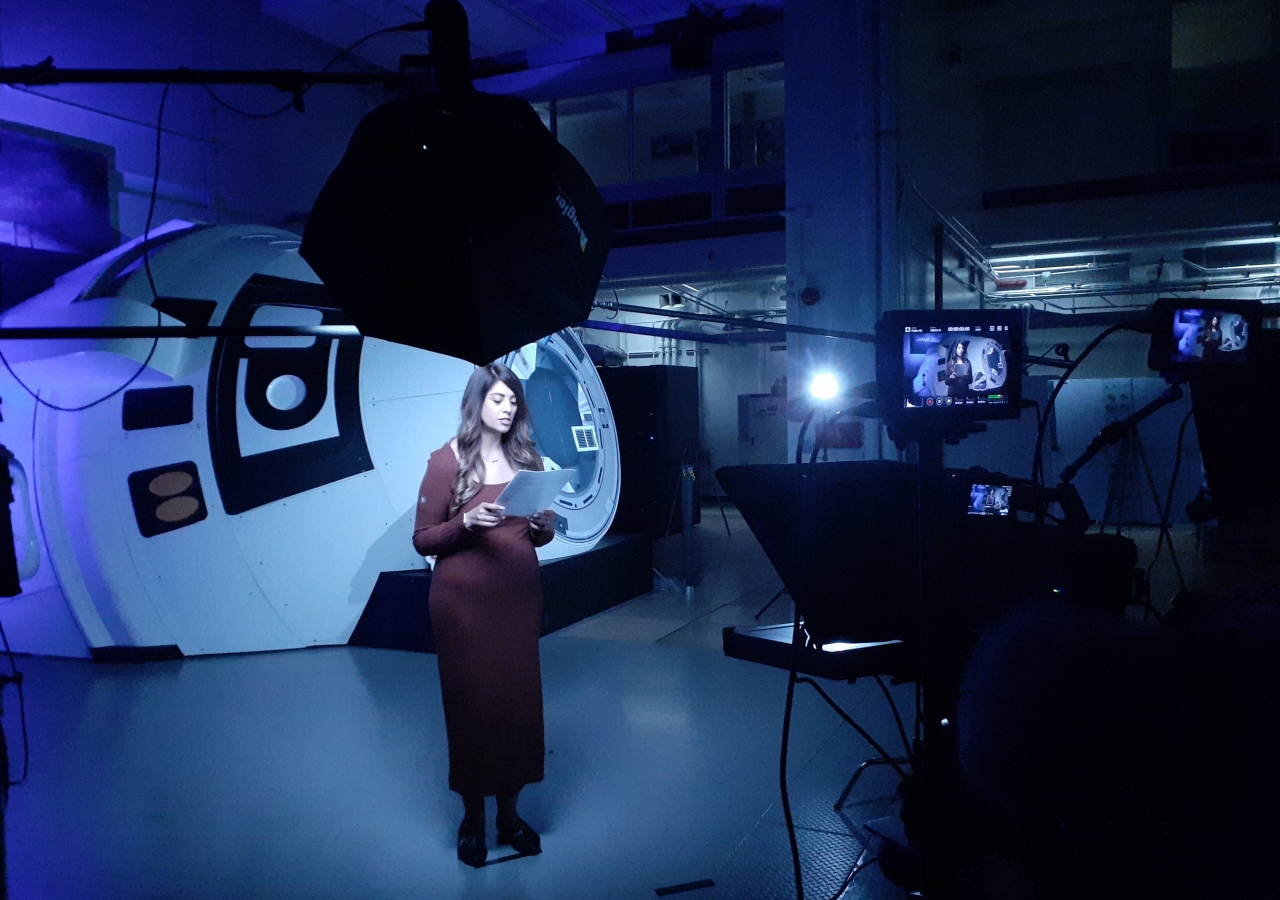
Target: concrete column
pixel 842 186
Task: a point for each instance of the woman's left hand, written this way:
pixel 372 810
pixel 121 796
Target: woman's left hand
pixel 542 520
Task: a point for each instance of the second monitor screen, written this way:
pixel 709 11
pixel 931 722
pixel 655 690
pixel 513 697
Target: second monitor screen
pixel 955 365
pixel 1204 335
pixel 989 499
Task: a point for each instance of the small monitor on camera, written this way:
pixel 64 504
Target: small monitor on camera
pixel 989 499
pixel 1199 335
pixel 950 365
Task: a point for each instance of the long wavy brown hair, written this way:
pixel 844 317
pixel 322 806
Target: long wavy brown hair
pixel 517 443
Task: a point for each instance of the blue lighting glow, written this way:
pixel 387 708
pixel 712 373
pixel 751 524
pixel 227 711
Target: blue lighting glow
pixel 824 386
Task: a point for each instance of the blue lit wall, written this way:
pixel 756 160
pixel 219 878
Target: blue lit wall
pixel 216 166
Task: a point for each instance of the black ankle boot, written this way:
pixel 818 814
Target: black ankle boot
pixel 522 838
pixel 471 847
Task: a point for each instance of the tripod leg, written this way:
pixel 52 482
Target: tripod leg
pixel 1117 487
pixel 857 773
pixel 1155 495
pixel 771 602
pixel 724 516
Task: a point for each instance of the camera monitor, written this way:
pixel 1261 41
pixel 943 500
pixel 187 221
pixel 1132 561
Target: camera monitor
pixel 989 499
pixel 1198 335
pixel 950 365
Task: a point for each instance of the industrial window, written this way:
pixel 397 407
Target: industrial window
pixel 673 128
pixel 594 129
pixel 756 123
pixel 1227 31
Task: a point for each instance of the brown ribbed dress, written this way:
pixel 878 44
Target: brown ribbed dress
pixel 486 613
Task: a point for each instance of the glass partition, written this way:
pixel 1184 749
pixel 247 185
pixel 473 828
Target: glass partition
pixel 756 116
pixel 673 128
pixel 664 130
pixel 594 129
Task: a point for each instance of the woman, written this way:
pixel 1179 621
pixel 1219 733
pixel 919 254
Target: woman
pixel 1212 338
pixel 959 371
pixel 486 608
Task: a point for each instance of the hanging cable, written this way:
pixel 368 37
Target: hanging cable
pixel 296 102
pixel 146 263
pixel 151 204
pixel 817 443
pixel 1037 463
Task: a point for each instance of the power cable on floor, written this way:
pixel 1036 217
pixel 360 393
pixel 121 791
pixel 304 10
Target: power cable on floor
pixel 853 873
pixel 782 763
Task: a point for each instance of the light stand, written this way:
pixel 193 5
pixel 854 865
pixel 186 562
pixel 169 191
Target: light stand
pixel 935 765
pixel 1117 430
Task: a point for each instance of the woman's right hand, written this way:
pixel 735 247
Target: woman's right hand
pixel 483 517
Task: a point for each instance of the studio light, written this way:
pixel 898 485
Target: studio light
pixel 456 222
pixel 824 387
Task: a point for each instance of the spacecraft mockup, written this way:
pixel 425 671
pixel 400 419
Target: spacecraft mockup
pixel 241 493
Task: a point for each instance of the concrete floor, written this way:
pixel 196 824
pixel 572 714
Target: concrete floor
pixel 322 773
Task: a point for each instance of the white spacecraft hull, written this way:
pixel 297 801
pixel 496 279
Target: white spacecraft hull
pixel 239 495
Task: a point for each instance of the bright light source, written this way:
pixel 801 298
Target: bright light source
pixel 824 386
pixel 837 646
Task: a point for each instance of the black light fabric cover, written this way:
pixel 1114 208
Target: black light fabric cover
pixel 845 539
pixel 468 232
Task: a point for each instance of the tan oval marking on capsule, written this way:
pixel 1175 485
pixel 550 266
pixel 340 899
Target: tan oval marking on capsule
pixel 175 509
pixel 170 483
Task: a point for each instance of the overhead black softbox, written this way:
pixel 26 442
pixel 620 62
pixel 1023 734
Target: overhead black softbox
pixel 468 231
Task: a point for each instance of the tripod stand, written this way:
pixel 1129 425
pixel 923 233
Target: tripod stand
pixel 1131 453
pixel 935 762
pixel 776 598
pixel 1123 506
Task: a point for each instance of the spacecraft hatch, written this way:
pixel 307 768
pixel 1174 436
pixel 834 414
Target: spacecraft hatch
pixel 242 493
